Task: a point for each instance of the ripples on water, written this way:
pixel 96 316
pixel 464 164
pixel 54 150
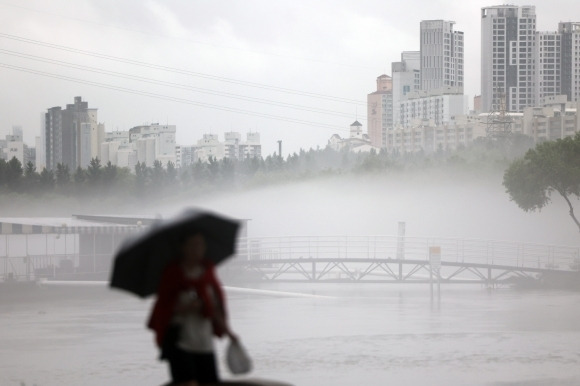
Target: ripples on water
pixel 365 335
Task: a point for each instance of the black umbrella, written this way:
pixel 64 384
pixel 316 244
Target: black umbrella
pixel 140 261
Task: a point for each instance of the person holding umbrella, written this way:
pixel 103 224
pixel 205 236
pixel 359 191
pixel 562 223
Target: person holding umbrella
pixel 175 259
pixel 189 310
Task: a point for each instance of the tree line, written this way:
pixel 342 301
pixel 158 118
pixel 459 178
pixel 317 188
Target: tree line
pixel 97 180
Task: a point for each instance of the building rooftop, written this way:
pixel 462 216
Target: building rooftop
pixel 74 224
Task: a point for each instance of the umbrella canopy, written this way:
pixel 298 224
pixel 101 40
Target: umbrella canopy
pixel 140 262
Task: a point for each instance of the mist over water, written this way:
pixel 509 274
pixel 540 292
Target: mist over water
pixel 434 203
pixel 431 203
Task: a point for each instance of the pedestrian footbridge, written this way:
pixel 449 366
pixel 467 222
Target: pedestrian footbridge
pixel 74 254
pixel 398 259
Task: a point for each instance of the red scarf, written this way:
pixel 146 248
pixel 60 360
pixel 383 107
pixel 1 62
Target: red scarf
pixel 173 283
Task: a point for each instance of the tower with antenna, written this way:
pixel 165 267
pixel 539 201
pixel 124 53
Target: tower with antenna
pixel 499 122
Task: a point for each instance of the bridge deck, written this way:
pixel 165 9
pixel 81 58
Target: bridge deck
pixel 370 259
pixel 316 258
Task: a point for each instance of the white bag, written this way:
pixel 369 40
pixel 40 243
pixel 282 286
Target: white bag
pixel 237 358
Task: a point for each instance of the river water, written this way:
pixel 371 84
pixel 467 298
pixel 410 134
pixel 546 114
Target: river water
pixel 360 334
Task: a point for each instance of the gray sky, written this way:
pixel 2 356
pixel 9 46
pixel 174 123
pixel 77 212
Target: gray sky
pixel 305 54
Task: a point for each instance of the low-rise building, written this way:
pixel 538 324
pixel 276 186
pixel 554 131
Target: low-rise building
pixel 555 120
pixel 13 146
pixel 251 148
pixel 145 144
pixel 154 142
pixel 185 156
pixel 357 142
pixel 233 147
pixel 440 106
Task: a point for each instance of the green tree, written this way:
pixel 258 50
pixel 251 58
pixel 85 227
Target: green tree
pixel 47 180
pixel 31 177
pixel 13 174
pixel 550 167
pixel 157 175
pixel 227 170
pixel 109 175
pixel 3 167
pixel 94 172
pixel 62 177
pixel 213 168
pixel 80 180
pixel 80 176
pixel 171 174
pixel 141 178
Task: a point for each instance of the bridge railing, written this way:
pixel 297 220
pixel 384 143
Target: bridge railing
pixel 32 267
pixel 488 252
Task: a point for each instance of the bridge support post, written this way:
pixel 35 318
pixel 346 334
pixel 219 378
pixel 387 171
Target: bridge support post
pixel 313 271
pixel 400 270
pixel 431 282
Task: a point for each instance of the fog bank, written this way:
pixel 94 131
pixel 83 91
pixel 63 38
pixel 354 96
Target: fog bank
pixel 434 203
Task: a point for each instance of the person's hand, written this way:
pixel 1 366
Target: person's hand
pixel 233 337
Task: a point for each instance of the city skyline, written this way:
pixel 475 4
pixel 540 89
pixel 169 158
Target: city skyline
pixel 336 50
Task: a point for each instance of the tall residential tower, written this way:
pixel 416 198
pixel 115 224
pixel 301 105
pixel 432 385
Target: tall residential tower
pixel 71 136
pixel 380 111
pixel 441 55
pixel 507 57
pixel 570 60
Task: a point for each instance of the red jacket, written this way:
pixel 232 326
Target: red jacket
pixel 174 282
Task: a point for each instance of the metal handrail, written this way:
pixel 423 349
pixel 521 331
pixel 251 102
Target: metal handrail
pixel 489 252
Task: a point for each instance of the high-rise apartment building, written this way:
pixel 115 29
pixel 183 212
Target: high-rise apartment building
pixel 507 57
pixel 441 55
pixel 547 60
pixel 380 111
pixel 69 134
pixel 570 60
pixel 406 80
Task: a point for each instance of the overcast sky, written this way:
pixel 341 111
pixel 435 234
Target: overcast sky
pixel 295 71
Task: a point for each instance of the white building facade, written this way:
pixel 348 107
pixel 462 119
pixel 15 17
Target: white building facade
pixel 154 142
pixel 547 58
pixel 233 147
pixel 441 55
pixel 406 76
pixel 438 106
pixel 556 119
pixel 357 142
pixel 185 156
pixel 145 144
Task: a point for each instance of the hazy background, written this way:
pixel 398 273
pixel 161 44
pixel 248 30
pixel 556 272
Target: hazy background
pixel 432 203
pixel 334 49
pixel 436 202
